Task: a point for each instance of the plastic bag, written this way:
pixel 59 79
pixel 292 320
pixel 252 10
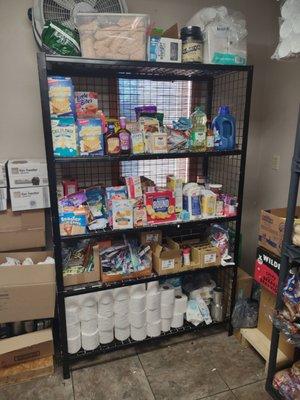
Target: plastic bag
pixel 57 39
pixel 245 314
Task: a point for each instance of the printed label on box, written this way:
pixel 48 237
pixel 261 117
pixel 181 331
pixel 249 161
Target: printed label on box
pixel 210 258
pixel 167 264
pixel 266 277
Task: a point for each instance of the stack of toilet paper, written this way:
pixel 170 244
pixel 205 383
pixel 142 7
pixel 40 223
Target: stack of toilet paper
pixel 73 328
pixel 121 313
pixel 167 306
pixel 153 309
pixel 180 305
pixel 89 324
pixel 106 317
pixel 138 312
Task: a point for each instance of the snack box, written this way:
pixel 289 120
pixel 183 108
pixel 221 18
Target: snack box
pixel 3 180
pixel 114 193
pixel 61 96
pixel 72 223
pixel 86 104
pixel 122 214
pixel 27 172
pixel 91 139
pixel 160 206
pixel 64 137
pixel 175 184
pixel 158 142
pixel 29 198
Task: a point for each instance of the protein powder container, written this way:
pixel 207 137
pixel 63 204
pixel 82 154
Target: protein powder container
pixel 192 44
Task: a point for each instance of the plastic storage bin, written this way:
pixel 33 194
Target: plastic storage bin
pixel 113 36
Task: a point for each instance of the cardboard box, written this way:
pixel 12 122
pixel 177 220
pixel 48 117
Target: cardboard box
pixel 22 230
pixel 3 198
pixel 271 229
pixel 165 47
pixel 30 198
pixel 27 292
pixel 28 347
pixel 267 267
pixel 3 179
pixel 25 173
pixel 151 237
pixel 243 284
pixel 166 260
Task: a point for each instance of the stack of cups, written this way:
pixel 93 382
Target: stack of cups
pixel 180 305
pixel 153 309
pixel 138 314
pixel 73 328
pixel 89 324
pixel 121 313
pixel 167 293
pixel 106 317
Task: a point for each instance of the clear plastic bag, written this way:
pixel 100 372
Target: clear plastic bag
pixel 245 314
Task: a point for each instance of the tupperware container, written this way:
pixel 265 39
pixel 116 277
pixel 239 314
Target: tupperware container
pixel 113 36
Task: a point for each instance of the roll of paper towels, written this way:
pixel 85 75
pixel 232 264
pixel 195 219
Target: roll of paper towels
pixel 74 344
pixel 154 330
pixel 105 323
pixel 167 294
pixel 138 289
pixel 180 304
pixel 106 310
pixel 153 315
pixel 121 320
pixel 73 330
pixel 72 314
pixel 152 287
pixel 177 321
pixel 121 293
pixel 88 312
pixel 167 310
pixel 106 336
pixel 138 333
pixel 153 300
pixel 90 341
pixel 137 319
pixel 137 303
pixel 166 324
pixel 122 333
pixel 106 297
pixel 89 326
pixel 121 306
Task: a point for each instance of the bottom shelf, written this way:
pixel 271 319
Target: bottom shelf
pixel 117 345
pixel 274 393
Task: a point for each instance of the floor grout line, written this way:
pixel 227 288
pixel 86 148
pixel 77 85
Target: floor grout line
pixel 146 376
pixel 72 380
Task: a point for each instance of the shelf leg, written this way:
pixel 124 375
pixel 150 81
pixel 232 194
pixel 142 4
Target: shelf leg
pixel 66 369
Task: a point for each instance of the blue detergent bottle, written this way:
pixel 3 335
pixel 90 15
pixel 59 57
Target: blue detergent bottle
pixel 224 130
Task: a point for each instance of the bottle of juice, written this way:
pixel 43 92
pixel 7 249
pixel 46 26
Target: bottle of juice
pixel 198 132
pixel 224 130
pixel 210 137
pixel 124 136
pixel 112 140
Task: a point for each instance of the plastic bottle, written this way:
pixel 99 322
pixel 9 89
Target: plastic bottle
pixel 210 137
pixel 112 140
pixel 224 129
pixel 125 137
pixel 198 133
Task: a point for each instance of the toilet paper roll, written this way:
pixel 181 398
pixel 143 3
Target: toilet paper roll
pixel 88 312
pixel 121 306
pixel 121 293
pixel 153 300
pixel 121 320
pixel 166 324
pixel 90 326
pixel 138 333
pixel 72 314
pixel 106 310
pixel 137 319
pixel 177 320
pixel 137 302
pixel 122 333
pixel 167 310
pixel 106 297
pixel 154 330
pixel 106 336
pixel 167 294
pixel 153 315
pixel 152 287
pixel 73 330
pixel 90 340
pixel 138 289
pixel 105 324
pixel 180 304
pixel 177 290
pixel 88 302
pixel 74 344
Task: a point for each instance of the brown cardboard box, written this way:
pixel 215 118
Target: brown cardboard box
pixel 22 230
pixel 27 292
pixel 151 237
pixel 166 260
pixel 244 284
pixel 271 228
pixel 28 347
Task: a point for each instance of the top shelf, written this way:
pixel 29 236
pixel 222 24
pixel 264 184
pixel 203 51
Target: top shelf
pixel 79 66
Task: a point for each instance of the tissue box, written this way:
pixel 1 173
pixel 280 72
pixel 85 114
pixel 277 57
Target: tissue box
pixel 25 173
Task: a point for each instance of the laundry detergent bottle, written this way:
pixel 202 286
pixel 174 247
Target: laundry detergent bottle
pixel 224 128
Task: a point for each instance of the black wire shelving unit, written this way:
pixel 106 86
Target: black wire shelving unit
pixel 176 89
pixel 290 255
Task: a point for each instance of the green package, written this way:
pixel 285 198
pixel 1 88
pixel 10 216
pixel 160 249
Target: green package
pixel 57 39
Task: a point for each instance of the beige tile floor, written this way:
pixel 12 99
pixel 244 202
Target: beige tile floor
pixel 188 367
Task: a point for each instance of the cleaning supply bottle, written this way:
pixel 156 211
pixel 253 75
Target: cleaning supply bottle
pixel 198 132
pixel 224 130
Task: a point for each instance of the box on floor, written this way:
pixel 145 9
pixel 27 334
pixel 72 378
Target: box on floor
pixel 266 271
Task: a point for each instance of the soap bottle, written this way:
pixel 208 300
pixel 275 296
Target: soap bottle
pixel 224 128
pixel 112 140
pixel 124 136
pixel 198 132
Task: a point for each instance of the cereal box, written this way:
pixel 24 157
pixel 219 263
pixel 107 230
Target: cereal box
pixel 64 137
pixel 90 137
pixel 160 206
pixel 86 104
pixel 72 223
pixel 61 96
pixel 122 214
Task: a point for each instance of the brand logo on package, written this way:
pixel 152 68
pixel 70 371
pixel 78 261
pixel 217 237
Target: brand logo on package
pixel 267 267
pixel 269 259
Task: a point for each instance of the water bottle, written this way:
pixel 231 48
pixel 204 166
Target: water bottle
pixel 224 130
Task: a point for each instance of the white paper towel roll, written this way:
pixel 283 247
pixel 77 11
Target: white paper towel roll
pixel 121 320
pixel 88 312
pixel 166 324
pixel 106 336
pixel 106 310
pixel 89 326
pixel 121 293
pixel 137 302
pixel 105 324
pixel 180 304
pixel 153 300
pixel 153 315
pixel 154 330
pixel 177 290
pixel 90 341
pixel 121 306
pixel 72 314
pixel 177 320
pixel 138 333
pixel 167 294
pixel 137 319
pixel 167 310
pixel 74 344
pixel 152 287
pixel 122 333
pixel 73 330
pixel 106 297
pixel 138 289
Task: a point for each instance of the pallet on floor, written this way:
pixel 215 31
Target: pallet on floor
pixel 26 371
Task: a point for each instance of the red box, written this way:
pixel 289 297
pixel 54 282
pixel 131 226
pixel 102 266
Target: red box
pixel 265 276
pixel 160 206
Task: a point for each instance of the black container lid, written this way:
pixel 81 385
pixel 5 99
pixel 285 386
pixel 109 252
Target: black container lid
pixel 191 31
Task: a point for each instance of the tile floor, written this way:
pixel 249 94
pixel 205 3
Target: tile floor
pixel 188 367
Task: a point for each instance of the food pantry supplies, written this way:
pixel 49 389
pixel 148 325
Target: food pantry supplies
pixel 160 206
pixel 61 96
pixel 64 137
pixel 86 104
pixel 90 135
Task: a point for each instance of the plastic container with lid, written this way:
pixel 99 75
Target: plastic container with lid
pixel 113 36
pixel 192 44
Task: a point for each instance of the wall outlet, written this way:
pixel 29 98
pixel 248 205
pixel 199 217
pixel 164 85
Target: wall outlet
pixel 275 162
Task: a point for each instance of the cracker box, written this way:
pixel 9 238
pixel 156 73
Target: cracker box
pixel 86 104
pixel 72 223
pixel 64 137
pixel 137 143
pixel 175 184
pixel 122 214
pixel 90 137
pixel 160 206
pixel 61 96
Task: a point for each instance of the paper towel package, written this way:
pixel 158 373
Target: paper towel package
pixel 153 315
pixel 154 329
pixel 177 321
pixel 138 333
pixel 121 306
pixel 122 333
pixel 106 310
pixel 121 320
pixel 106 337
pixel 89 326
pixel 137 319
pixel 105 323
pixel 167 294
pixel 153 300
pixel 90 340
pixel 74 344
pixel 73 330
pixel 137 302
pixel 166 324
pixel 72 314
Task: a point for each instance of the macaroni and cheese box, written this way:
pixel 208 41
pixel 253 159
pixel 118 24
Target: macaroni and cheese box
pixel 64 137
pixel 3 180
pixel 86 104
pixel 29 198
pixel 122 214
pixel 26 173
pixel 160 206
pixel 61 96
pixel 90 137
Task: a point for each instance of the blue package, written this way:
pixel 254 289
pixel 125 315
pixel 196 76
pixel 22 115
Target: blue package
pixel 64 137
pixel 61 96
